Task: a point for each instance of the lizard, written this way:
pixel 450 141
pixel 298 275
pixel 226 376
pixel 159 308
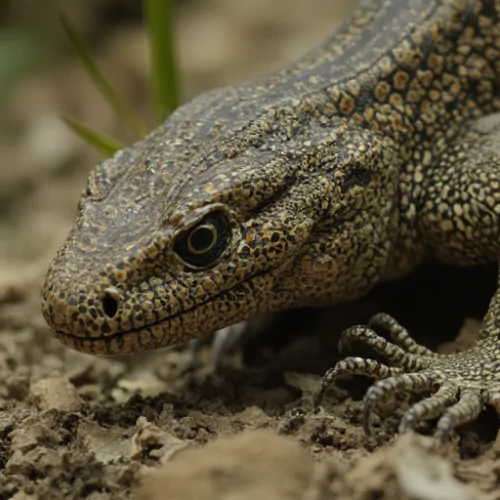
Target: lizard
pixel 307 186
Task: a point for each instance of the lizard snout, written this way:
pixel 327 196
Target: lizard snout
pixel 81 312
pixel 102 319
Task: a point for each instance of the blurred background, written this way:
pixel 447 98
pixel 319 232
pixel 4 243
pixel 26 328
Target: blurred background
pixel 43 165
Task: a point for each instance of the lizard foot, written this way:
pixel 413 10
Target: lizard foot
pixel 461 384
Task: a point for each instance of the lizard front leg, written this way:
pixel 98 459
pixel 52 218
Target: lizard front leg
pixel 459 223
pixel 461 383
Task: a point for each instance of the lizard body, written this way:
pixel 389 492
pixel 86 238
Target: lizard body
pixel 308 186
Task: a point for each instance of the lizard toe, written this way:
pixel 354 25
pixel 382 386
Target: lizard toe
pixel 395 354
pixel 431 407
pixel 354 365
pixel 398 334
pixel 467 409
pixel 383 390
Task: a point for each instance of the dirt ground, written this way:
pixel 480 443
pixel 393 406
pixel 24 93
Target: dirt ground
pixel 75 426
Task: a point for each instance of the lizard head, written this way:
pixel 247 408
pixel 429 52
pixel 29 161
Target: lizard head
pixel 179 236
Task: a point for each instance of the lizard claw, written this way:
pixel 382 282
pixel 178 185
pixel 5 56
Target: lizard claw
pixel 458 383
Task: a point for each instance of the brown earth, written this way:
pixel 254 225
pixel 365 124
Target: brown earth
pixel 74 426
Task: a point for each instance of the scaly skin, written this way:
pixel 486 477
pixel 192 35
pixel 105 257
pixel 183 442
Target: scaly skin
pixel 306 187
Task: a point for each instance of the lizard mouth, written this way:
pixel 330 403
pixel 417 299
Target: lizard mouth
pixel 155 335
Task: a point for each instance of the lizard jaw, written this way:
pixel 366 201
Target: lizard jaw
pixel 160 333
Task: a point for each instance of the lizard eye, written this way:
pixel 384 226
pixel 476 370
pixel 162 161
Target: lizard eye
pixel 205 242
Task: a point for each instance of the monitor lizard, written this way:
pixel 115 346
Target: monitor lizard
pixel 304 187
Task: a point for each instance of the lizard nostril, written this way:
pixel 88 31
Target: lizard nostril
pixel 111 301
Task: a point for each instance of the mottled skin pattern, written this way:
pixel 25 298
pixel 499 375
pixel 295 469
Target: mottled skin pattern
pixel 306 187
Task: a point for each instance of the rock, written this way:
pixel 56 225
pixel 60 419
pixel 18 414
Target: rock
pixel 56 393
pixel 254 464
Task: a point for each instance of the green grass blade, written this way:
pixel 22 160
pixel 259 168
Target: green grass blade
pixel 164 73
pixel 22 50
pixel 106 145
pixel 122 108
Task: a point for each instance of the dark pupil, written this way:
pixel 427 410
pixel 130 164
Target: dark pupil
pixel 202 238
